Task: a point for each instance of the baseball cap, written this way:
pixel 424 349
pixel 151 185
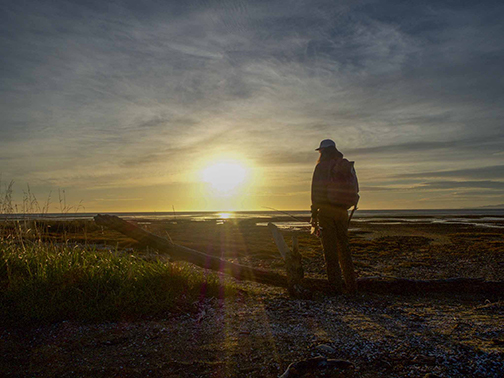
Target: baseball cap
pixel 326 143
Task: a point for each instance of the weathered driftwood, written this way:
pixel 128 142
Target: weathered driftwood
pixel 300 285
pixel 178 252
pixel 293 264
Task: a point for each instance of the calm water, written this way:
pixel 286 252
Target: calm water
pixel 476 217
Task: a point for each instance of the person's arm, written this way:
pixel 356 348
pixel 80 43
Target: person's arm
pixel 318 189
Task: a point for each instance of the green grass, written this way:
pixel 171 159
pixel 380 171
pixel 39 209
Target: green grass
pixel 43 282
pixel 44 279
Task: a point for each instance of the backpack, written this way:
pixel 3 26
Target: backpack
pixel 343 187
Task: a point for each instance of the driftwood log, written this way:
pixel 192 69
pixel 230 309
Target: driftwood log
pixel 294 281
pixel 181 253
pixel 293 263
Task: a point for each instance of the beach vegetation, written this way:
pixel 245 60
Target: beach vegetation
pixel 53 270
pixel 44 282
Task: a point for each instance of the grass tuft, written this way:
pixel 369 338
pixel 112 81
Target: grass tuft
pixel 42 282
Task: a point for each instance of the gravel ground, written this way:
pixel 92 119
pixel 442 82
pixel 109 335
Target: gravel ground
pixel 259 335
pixel 260 331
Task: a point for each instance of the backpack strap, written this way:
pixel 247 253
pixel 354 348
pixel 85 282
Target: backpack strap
pixel 352 212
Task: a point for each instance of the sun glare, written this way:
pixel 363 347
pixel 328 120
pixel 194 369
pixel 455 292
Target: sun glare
pixel 224 176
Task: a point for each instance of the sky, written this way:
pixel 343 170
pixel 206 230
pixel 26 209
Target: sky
pixel 131 105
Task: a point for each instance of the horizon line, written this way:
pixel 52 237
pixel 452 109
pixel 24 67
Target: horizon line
pixel 235 211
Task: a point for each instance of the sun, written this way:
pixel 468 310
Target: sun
pixel 225 176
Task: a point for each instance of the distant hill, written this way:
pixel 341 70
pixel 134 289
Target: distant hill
pixel 501 206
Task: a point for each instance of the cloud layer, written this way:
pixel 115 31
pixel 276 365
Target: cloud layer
pixel 114 96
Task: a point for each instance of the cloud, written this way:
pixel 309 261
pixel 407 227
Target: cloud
pixel 487 144
pixel 496 185
pixel 440 185
pixel 368 188
pixel 119 94
pixel 490 172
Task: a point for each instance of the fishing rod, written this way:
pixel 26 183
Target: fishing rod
pixel 315 230
pixel 286 213
pixel 303 221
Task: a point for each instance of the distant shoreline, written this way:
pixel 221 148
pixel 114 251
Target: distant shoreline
pixel 249 213
pixel 493 218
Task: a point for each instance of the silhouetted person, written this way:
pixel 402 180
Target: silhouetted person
pixel 334 191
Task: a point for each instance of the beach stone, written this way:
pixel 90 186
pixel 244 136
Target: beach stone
pixel 319 366
pixel 326 349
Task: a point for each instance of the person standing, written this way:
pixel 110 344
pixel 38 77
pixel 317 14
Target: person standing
pixel 334 190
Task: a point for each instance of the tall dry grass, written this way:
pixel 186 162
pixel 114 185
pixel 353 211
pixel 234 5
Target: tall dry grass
pixel 43 281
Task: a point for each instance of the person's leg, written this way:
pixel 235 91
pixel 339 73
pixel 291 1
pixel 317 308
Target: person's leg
pixel 329 242
pixel 343 249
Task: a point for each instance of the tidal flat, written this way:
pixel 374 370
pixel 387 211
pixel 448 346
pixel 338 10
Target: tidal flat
pixel 252 330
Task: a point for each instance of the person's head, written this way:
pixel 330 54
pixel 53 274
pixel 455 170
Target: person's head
pixel 328 150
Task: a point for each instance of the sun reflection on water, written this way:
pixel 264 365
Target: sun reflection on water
pixel 225 215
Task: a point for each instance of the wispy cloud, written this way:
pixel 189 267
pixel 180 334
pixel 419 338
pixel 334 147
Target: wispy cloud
pixel 498 185
pixel 491 172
